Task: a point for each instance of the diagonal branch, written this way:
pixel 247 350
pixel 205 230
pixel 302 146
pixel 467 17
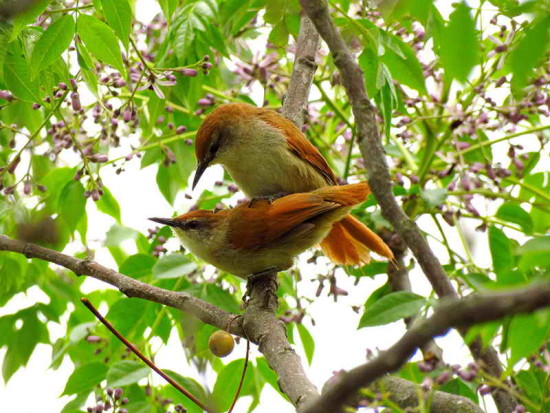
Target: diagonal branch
pixel 379 178
pixel 295 102
pixel 451 313
pixel 204 311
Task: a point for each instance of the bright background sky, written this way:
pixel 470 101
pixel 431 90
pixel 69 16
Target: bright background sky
pixel 338 344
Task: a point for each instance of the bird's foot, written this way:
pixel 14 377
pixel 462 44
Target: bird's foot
pixel 268 198
pixel 268 279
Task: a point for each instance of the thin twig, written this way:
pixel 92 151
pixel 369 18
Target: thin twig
pixel 138 353
pixel 242 377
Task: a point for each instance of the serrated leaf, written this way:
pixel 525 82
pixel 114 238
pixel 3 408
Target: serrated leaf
pixel 85 378
pixel 125 372
pixel 459 44
pixel 392 307
pixel 54 41
pixel 119 16
pixel 173 266
pixel 101 41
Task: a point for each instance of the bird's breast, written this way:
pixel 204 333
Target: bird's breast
pixel 269 167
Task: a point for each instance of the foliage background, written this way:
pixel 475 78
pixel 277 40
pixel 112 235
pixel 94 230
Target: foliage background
pixel 467 100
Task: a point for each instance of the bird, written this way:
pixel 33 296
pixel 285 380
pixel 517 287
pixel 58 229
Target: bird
pixel 262 235
pixel 267 155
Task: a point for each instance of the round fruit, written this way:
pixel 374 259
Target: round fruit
pixel 221 343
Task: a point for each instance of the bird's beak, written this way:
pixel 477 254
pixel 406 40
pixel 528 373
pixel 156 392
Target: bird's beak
pixel 165 221
pixel 201 167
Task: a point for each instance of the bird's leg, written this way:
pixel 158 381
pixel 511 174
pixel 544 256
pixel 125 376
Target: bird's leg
pixel 268 198
pixel 269 280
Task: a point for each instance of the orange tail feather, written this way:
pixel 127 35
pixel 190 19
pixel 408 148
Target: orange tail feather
pixel 349 242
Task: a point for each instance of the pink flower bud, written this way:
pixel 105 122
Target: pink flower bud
pixel 188 72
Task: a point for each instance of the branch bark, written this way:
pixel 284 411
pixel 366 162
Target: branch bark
pixel 262 326
pixel 379 178
pixel 451 313
pixel 204 311
pixel 295 102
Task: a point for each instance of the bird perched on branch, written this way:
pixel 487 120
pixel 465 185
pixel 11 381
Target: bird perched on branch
pixel 260 235
pixel 267 155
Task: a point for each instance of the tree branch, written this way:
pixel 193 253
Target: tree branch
pixel 450 313
pixel 204 311
pixel 405 394
pixel 295 102
pixel 379 177
pixel 262 326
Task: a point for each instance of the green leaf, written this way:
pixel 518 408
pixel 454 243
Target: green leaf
pixel 404 66
pixel 369 62
pixel 22 341
pixel 512 212
pixel 28 16
pixel 501 250
pixel 523 344
pixel 457 386
pixel 269 375
pixel 189 384
pixel 100 41
pixel 307 341
pixel 85 378
pixel 119 16
pixel 528 53
pixel 168 183
pixel 17 79
pixel 227 382
pixel 126 372
pixel 370 270
pixel 117 234
pixel 137 266
pixel 72 204
pixel 109 205
pixel 392 307
pixel 279 34
pixel 434 197
pixel 459 44
pixel 535 253
pixel 55 40
pixel 533 383
pixel 216 295
pixel 173 266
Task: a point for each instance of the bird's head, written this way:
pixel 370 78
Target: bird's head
pixel 196 225
pixel 218 132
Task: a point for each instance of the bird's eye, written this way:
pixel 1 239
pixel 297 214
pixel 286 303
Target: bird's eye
pixel 192 225
pixel 214 147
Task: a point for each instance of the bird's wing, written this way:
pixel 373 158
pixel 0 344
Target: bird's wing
pixel 299 144
pixel 264 224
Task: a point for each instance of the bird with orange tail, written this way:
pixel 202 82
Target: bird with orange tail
pixel 262 236
pixel 266 155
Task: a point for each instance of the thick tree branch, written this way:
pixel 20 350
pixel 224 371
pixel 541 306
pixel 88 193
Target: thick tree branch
pixel 262 326
pixel 379 177
pixel 450 313
pixel 204 311
pixel 405 394
pixel 295 102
